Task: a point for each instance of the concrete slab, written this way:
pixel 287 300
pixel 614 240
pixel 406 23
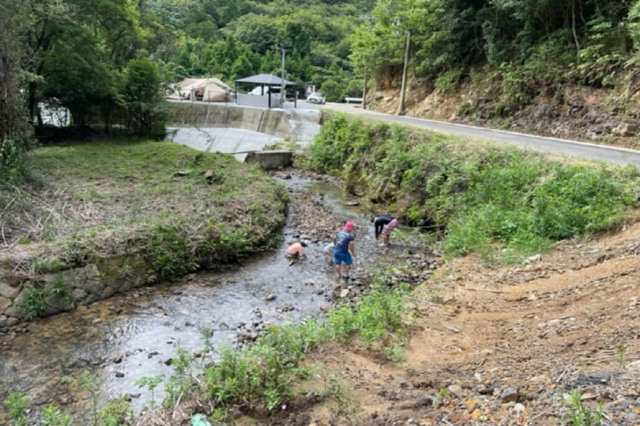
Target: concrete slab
pixel 209 139
pixel 299 125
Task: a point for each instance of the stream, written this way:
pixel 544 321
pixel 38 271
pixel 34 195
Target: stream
pixel 137 334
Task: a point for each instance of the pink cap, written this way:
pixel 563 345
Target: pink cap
pixel 348 226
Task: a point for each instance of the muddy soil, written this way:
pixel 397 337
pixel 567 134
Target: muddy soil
pixel 506 344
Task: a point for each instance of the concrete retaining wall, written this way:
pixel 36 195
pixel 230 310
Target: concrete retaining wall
pixel 209 139
pixel 199 114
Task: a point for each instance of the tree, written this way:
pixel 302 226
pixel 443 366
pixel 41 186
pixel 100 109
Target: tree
pixel 144 102
pixel 14 127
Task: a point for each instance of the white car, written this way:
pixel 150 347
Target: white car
pixel 316 98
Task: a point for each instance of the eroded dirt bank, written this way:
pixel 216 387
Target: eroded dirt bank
pixel 506 344
pixel 575 113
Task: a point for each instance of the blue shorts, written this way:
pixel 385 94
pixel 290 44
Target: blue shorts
pixel 345 258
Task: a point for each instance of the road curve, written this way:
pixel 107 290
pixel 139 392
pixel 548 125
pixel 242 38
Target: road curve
pixel 608 154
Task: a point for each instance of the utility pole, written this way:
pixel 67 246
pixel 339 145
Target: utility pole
pixel 282 88
pixel 404 76
pixel 364 87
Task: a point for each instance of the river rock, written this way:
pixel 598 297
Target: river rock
pixel 107 292
pixel 15 312
pixel 78 294
pixel 7 291
pixel 455 390
pixel 509 394
pixel 484 389
pixel 288 307
pixel 4 303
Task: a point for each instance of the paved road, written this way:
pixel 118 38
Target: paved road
pixel 552 145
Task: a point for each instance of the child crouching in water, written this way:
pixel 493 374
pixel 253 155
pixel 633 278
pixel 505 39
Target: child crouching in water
pixel 296 251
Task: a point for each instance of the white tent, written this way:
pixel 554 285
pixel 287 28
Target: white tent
pixel 211 89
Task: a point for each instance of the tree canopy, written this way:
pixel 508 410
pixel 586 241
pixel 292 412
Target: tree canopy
pixel 526 45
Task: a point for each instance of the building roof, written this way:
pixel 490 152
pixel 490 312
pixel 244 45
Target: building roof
pixel 266 79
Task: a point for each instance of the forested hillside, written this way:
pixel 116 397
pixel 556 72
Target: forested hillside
pixel 234 39
pixel 498 57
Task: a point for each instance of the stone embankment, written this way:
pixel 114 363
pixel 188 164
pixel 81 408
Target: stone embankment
pixel 43 294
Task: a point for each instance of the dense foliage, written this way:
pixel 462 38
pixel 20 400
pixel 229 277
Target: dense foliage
pixel 479 197
pixel 234 39
pixel 14 129
pixel 515 48
pixel 78 53
pixel 105 61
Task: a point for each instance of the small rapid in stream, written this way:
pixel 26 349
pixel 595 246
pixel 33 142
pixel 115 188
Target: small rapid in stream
pixel 134 335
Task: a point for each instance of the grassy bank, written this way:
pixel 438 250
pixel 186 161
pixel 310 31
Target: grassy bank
pixel 480 197
pixel 169 207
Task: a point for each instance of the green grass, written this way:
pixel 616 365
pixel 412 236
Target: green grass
pixel 579 414
pixel 103 185
pixel 129 199
pixel 501 202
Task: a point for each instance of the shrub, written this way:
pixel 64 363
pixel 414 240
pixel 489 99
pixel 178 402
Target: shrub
pixel 14 164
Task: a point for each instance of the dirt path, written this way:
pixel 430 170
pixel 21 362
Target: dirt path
pixel 506 344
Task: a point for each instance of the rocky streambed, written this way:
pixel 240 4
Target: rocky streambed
pixel 120 340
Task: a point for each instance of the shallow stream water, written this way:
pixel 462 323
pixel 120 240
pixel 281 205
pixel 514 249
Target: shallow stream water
pixel 135 335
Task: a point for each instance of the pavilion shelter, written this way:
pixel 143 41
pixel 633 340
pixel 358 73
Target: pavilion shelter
pixel 264 90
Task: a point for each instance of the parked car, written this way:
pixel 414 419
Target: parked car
pixel 316 98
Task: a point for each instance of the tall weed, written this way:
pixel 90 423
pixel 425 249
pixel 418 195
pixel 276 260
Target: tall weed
pixel 265 375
